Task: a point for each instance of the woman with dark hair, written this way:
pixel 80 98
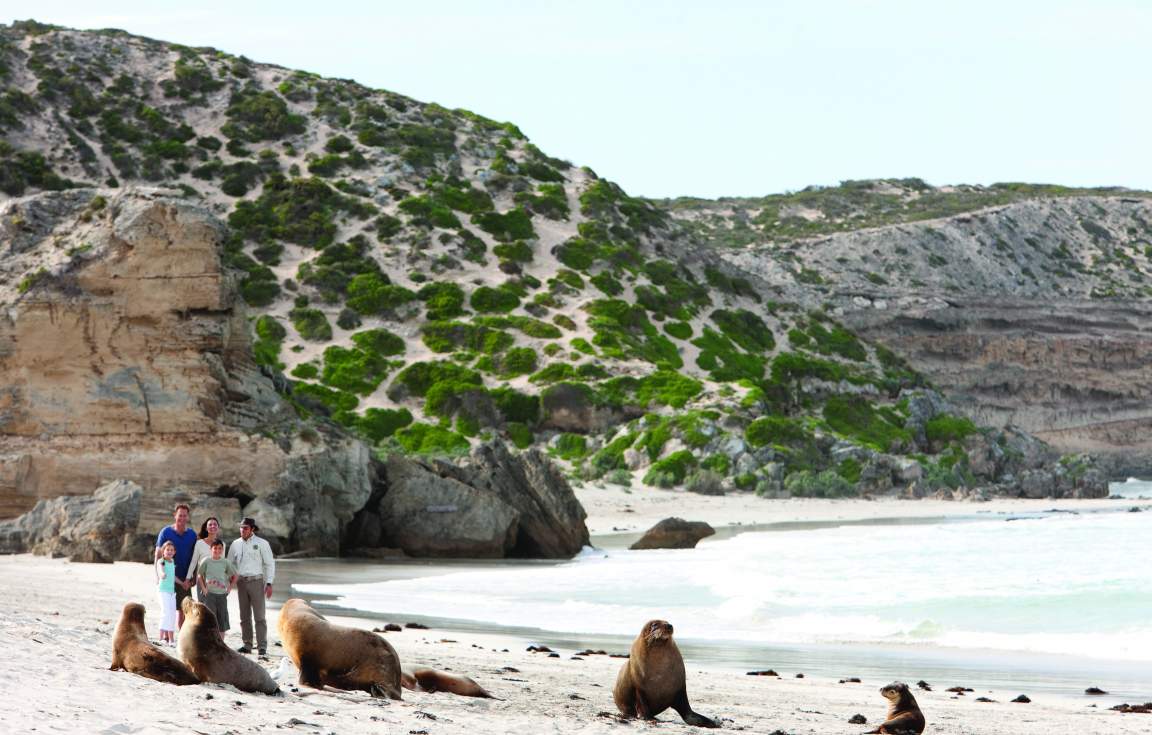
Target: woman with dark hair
pixel 209 533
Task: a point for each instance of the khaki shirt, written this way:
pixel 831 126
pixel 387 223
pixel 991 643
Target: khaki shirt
pixel 253 558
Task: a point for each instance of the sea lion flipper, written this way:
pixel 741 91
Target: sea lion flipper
pixel 680 704
pixel 310 675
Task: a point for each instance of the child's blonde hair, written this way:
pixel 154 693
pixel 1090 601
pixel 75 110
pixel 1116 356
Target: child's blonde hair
pixel 167 544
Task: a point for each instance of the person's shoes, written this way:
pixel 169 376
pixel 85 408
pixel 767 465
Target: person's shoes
pixel 263 654
pixel 244 649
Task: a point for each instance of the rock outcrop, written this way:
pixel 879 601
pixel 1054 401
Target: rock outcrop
pixel 494 504
pixel 129 357
pixel 674 533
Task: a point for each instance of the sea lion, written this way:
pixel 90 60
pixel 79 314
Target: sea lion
pixel 132 651
pixel 350 658
pixel 423 679
pixel 652 679
pixel 904 716
pixel 206 654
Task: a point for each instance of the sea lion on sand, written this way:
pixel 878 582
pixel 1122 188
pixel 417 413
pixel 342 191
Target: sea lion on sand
pixel 350 658
pixel 202 649
pixel 904 716
pixel 132 651
pixel 652 679
pixel 423 679
pixel 336 656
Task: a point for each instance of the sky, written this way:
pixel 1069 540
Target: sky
pixel 728 98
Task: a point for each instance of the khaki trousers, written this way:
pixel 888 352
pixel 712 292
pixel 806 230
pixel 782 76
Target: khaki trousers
pixel 251 593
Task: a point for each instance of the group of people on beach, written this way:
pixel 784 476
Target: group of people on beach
pixel 186 560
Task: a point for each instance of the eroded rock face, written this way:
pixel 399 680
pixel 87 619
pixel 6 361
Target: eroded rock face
pixel 83 528
pixel 129 356
pixel 674 533
pixel 494 504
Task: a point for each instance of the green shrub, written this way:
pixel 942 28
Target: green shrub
pixel 551 201
pixel 334 401
pixel 428 212
pixel 427 439
pixel 516 407
pixel 774 430
pixel 270 335
pixel 300 211
pixel 379 342
pixel 339 144
pixel 827 484
pixel 611 456
pixel 607 283
pixel 855 417
pixel 555 372
pixel 945 428
pixel 679 330
pixel 442 336
pixel 724 361
pixel 570 446
pixel 419 377
pixel 529 326
pixel 305 371
pixel 370 293
pixel 515 224
pixel 664 387
pixel 516 361
pixel 670 471
pixel 311 324
pixel 353 370
pixel 501 299
pixel 255 116
pixel 337 264
pixel 518 251
pixel 520 435
pixel 718 463
pixel 582 345
pixel 837 341
pixel 850 470
pixel 381 423
pixel 624 332
pixel 745 329
pixel 443 300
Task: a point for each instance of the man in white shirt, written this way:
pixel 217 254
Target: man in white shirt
pixel 255 569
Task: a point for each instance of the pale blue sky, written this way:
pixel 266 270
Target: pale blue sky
pixel 726 97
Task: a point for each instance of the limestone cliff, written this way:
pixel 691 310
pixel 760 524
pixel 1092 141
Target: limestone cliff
pixel 1033 314
pixel 127 356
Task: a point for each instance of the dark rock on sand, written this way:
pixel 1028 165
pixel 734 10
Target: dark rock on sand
pixel 765 672
pixel 674 533
pixel 1143 709
pixel 924 685
pixel 1022 699
pixel 857 720
pixel 1095 691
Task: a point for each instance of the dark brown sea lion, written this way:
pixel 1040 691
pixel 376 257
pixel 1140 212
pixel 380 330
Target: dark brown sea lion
pixel 132 651
pixel 904 716
pixel 652 679
pixel 350 658
pixel 206 654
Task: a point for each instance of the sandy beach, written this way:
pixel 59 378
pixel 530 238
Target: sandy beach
pixel 57 620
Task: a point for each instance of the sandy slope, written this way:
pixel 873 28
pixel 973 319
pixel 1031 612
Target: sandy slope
pixel 57 619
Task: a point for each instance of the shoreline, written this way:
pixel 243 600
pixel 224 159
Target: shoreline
pixel 58 630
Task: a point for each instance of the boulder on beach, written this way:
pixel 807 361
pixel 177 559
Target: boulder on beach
pixel 674 533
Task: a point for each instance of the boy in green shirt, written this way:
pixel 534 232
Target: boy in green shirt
pixel 216 577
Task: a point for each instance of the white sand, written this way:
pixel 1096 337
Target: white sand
pixel 57 619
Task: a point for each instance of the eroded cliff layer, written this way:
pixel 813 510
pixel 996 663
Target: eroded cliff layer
pixel 1034 314
pixel 127 355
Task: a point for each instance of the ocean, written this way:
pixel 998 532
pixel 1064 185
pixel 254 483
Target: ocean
pixel 1053 601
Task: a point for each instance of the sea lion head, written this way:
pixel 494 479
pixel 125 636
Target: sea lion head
pixel 133 614
pixel 656 631
pixel 199 615
pixel 895 691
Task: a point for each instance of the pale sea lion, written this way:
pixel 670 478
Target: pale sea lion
pixel 132 651
pixel 207 655
pixel 904 716
pixel 355 659
pixel 652 679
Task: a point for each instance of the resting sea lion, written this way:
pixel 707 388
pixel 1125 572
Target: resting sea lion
pixel 904 716
pixel 350 658
pixel 132 651
pixel 652 679
pixel 202 649
pixel 423 679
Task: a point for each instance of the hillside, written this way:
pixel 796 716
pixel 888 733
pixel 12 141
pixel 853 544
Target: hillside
pixel 428 279
pixel 1031 312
